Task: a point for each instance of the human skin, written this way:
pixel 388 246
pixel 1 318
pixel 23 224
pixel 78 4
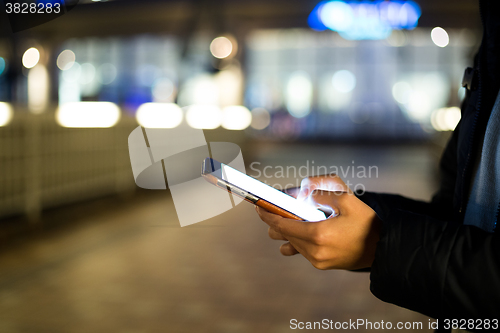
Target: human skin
pixel 347 240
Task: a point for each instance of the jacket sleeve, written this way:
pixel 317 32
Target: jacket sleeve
pixel 384 203
pixel 440 269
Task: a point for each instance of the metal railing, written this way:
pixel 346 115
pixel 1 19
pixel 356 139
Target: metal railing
pixel 44 165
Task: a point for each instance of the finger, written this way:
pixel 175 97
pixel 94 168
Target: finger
pixel 307 185
pixel 275 235
pixel 287 227
pixel 305 248
pixel 287 249
pixel 292 191
pixel 297 245
pixel 327 183
pixel 336 201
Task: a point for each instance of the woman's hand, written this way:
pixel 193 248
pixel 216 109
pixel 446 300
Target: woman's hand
pixel 331 183
pixel 345 241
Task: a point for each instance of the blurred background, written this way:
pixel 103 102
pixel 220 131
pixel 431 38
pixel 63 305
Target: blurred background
pixel 297 83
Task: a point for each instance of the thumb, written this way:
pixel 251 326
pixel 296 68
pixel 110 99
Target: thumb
pixel 325 183
pixel 330 202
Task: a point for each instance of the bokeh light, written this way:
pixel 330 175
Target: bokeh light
pixel 38 88
pixel 159 115
pixel 408 15
pixel 260 118
pixel 204 116
pixel 87 73
pixel 337 15
pixel 344 81
pixel 163 90
pixel 73 74
pixel 6 113
pixel 88 115
pixel 299 93
pixel 147 74
pixel 200 89
pixel 236 117
pixel 419 93
pixel 230 84
pixel 31 57
pixel 314 20
pixel 66 60
pixel 418 105
pixel 446 119
pixel 106 73
pixel 398 38
pixel 221 47
pixel 401 92
pixel 440 37
pixel 3 65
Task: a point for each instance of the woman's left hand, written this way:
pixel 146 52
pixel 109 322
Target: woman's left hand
pixel 345 241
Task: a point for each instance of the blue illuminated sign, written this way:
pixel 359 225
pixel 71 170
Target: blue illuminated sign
pixel 357 20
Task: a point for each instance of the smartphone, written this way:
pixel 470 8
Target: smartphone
pixel 258 193
pixel 292 191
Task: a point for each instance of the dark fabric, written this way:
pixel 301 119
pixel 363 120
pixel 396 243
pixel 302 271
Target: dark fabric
pixel 440 269
pixel 426 259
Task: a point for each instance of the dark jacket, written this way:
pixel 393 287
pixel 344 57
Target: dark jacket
pixel 426 259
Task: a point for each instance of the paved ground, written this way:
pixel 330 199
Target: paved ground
pixel 127 266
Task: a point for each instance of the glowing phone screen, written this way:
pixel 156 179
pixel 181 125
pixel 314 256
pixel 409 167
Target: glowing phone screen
pixel 272 195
